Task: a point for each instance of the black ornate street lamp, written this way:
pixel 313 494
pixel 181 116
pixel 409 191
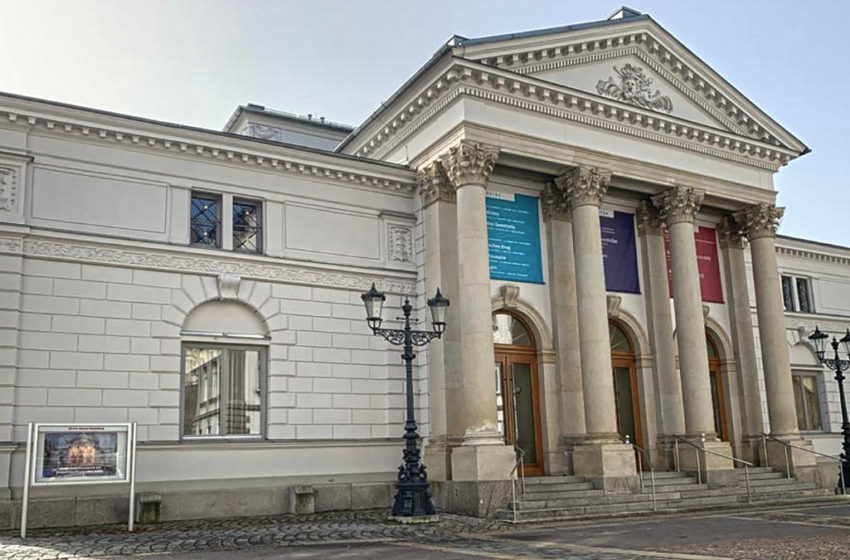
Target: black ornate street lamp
pixel 413 498
pixel 839 366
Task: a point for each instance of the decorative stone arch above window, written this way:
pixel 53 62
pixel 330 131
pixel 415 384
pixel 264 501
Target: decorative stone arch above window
pixel 509 301
pixel 721 340
pixel 631 326
pixel 225 319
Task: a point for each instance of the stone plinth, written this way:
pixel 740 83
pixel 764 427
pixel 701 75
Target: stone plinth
pixel 716 471
pixel 609 466
pixel 482 462
pixel 783 458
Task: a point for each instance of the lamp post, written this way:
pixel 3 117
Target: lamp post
pixel 413 498
pixel 839 366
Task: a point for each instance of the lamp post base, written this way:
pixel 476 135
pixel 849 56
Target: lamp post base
pixel 413 500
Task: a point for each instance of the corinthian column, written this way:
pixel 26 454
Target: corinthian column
pixel 760 223
pixel 741 323
pixel 679 206
pixel 444 382
pixel 562 295
pixel 483 454
pixel 602 458
pixel 660 319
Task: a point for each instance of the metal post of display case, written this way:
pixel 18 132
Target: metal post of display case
pixel 27 471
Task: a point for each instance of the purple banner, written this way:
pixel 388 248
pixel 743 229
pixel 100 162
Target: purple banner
pixel 619 252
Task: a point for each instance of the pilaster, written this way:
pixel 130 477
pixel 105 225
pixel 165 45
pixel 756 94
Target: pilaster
pixel 441 270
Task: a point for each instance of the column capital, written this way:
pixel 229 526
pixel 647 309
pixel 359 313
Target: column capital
pixel 555 204
pixel 678 204
pixel 434 184
pixel 648 218
pixel 470 163
pixel 760 220
pixel 731 233
pixel 583 186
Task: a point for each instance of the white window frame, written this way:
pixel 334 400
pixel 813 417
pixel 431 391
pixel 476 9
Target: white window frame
pixel 795 297
pixel 815 373
pixel 263 382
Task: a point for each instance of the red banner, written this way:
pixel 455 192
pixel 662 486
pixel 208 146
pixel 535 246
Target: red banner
pixel 707 262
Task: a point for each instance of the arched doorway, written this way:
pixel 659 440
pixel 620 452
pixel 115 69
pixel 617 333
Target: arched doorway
pixel 517 388
pixel 625 385
pixel 718 394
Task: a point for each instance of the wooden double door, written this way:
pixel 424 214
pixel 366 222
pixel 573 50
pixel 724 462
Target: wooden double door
pixel 517 398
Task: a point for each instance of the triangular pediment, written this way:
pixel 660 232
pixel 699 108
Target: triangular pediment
pixel 631 60
pixel 629 79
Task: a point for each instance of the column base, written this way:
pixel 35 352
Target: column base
pixel 609 466
pixel 791 461
pixel 437 457
pixel 566 448
pixel 482 461
pixel 716 471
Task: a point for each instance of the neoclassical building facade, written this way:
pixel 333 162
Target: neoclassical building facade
pixel 597 203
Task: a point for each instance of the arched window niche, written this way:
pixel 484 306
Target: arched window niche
pixel 224 372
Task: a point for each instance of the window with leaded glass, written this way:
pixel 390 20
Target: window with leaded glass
pixel 205 220
pixel 807 401
pixel 788 293
pixel 223 390
pixel 247 225
pixel 804 295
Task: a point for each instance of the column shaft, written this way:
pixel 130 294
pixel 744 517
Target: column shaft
pixel 660 321
pixel 679 206
pixel 761 222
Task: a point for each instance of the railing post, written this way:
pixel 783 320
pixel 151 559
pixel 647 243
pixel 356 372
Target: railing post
pixel 764 450
pixel 699 468
pixel 676 445
pixel 841 476
pixel 747 475
pixel 787 463
pixel 652 481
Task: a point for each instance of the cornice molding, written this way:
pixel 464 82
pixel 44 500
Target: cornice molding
pixel 213 151
pixel 653 52
pixel 216 264
pixel 812 255
pixel 472 79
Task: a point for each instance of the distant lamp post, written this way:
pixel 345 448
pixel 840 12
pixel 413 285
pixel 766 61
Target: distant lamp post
pixel 838 365
pixel 413 498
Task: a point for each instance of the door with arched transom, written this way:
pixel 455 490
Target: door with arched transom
pixel 718 394
pixel 517 388
pixel 626 394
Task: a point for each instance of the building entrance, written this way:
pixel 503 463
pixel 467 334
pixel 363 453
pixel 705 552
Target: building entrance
pixel 625 386
pixel 517 392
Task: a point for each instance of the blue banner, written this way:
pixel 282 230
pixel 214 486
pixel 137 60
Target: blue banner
pixel 619 252
pixel 513 235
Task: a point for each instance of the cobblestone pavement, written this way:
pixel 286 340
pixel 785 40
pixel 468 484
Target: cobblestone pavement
pixel 801 533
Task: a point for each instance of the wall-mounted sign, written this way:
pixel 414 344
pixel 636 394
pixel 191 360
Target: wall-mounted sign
pixel 513 237
pixel 619 252
pixel 707 261
pixel 75 454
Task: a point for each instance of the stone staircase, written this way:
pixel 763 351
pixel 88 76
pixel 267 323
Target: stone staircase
pixel 565 497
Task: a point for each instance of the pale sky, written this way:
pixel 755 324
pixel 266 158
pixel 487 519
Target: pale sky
pixel 193 61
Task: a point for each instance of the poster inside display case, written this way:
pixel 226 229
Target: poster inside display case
pixel 72 454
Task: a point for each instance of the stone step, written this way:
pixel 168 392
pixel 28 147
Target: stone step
pixel 670 481
pixel 613 499
pixel 565 487
pixel 533 480
pixel 794 486
pixel 760 475
pixel 647 488
pixel 782 481
pixel 548 496
pixel 659 475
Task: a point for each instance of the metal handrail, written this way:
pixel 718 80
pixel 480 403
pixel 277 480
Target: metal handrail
pixel 702 448
pixel 519 466
pixel 765 437
pixel 641 453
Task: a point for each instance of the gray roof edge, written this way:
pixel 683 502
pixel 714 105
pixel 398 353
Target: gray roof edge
pixel 200 130
pixel 812 242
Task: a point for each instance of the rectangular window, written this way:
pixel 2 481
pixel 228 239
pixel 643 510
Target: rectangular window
pixel 247 225
pixel 807 402
pixel 223 390
pixel 804 295
pixel 205 220
pixel 788 293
